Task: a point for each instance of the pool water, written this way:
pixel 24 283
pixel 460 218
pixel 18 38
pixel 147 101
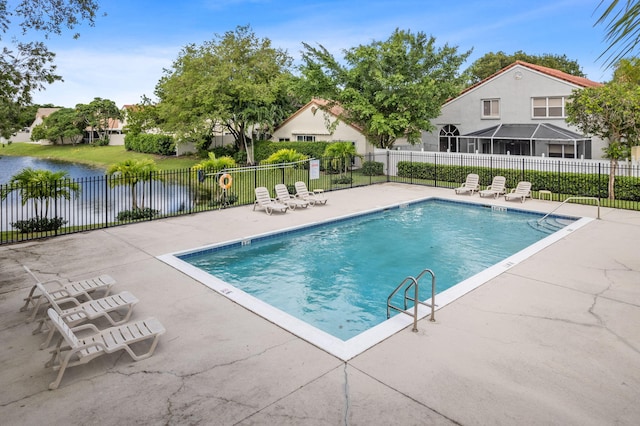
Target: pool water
pixel 337 276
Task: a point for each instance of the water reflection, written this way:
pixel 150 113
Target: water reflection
pixel 99 200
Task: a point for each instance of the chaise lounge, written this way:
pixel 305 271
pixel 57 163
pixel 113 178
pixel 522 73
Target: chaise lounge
pixel 316 197
pixel 522 191
pixel 470 186
pixel 283 196
pixel 84 288
pixel 81 350
pixel 87 311
pixel 496 188
pixel 264 200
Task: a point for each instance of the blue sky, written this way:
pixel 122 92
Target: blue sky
pixel 122 57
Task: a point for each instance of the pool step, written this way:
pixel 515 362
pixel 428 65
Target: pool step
pixel 549 225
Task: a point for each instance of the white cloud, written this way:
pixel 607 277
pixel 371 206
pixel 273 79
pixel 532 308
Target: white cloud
pixel 121 77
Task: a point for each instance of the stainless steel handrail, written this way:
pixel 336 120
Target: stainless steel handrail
pixel 571 198
pixel 414 284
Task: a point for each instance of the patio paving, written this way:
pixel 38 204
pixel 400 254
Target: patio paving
pixel 553 340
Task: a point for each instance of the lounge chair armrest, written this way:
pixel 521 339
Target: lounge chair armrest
pixel 87 326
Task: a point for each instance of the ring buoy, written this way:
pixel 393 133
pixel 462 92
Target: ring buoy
pixel 225 181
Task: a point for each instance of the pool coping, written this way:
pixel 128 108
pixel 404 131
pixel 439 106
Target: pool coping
pixel 346 350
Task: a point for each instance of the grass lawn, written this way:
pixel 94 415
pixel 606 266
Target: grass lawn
pixel 100 156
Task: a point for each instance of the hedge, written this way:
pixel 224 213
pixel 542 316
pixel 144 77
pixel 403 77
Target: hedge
pixel 579 184
pixel 150 143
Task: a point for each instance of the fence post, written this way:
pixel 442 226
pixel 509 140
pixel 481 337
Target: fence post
pixel 105 180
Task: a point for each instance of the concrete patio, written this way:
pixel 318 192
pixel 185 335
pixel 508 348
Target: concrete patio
pixel 553 340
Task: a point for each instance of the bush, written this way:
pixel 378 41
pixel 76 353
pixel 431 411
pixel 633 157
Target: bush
pixel 39 224
pixel 343 180
pixel 137 214
pixel 372 168
pixel 150 143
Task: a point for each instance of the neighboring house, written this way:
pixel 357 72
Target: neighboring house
pixel 116 136
pixel 520 110
pixel 311 123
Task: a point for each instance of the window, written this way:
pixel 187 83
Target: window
pixel 491 108
pixel 283 139
pixel 305 138
pixel 550 107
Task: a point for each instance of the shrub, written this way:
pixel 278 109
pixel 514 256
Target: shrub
pixel 37 224
pixel 137 214
pixel 150 143
pixel 372 168
pixel 343 180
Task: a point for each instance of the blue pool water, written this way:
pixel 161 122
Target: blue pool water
pixel 337 276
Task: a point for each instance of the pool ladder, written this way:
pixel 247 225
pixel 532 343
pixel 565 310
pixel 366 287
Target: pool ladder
pixel 413 283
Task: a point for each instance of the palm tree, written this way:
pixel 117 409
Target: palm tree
pixel 622 23
pixel 341 154
pixel 131 172
pixel 40 187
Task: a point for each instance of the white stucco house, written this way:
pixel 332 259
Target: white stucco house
pixel 313 123
pixel 519 110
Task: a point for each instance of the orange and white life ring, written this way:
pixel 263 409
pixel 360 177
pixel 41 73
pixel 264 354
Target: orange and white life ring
pixel 225 181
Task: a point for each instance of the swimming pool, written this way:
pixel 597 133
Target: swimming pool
pixel 334 278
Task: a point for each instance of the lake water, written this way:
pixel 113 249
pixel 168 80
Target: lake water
pixel 10 165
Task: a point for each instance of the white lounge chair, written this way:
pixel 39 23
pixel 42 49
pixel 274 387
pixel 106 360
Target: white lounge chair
pixel 315 197
pixel 496 188
pixel 84 288
pixel 81 350
pixel 264 200
pixel 283 196
pixel 522 191
pixel 471 185
pixel 87 311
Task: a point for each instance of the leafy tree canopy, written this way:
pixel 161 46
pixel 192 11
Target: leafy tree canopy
pixel 28 66
pixel 492 62
pixel 611 112
pixel 627 71
pixel 61 125
pixel 97 115
pixel 236 81
pixel 390 89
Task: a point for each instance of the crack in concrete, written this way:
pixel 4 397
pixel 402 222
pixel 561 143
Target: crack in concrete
pixel 386 385
pixel 347 402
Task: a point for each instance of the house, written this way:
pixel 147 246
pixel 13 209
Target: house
pixel 115 128
pixel 519 110
pixel 314 121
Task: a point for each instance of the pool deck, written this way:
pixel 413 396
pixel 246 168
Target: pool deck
pixel 553 340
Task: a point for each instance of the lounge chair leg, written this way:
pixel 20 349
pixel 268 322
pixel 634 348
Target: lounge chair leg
pixel 28 299
pixel 63 366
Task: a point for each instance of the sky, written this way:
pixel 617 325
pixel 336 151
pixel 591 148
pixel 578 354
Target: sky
pixel 123 56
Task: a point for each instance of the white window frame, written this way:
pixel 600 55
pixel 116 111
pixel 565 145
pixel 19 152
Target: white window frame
pixel 546 107
pixel 494 111
pixel 305 138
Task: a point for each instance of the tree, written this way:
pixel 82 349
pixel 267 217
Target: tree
pixel 341 154
pixel 41 187
pixel 98 115
pixel 389 89
pixel 233 82
pixel 61 125
pixel 28 66
pixel 492 62
pixel 610 112
pixel 627 71
pixel 622 24
pixel 142 117
pixel 131 172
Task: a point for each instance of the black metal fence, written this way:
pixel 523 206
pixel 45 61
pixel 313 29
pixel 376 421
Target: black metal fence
pixel 38 211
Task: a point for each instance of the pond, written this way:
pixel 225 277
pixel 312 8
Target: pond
pixel 10 165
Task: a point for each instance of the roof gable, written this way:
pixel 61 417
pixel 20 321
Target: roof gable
pixel 336 110
pixel 549 72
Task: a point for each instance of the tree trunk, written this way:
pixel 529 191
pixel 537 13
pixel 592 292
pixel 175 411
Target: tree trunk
pixel 612 178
